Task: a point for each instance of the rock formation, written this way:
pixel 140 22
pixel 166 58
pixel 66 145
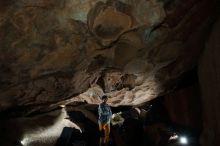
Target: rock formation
pixel 58 52
pixel 209 83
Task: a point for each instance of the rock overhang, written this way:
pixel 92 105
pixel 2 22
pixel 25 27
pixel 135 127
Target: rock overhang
pixel 58 52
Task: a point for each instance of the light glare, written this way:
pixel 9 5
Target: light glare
pixel 183 140
pixel 24 141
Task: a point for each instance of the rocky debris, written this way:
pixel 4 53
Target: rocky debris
pixel 57 52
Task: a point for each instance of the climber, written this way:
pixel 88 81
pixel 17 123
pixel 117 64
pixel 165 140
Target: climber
pixel 105 114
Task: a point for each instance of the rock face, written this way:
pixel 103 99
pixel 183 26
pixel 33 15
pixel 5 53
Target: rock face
pixel 43 130
pixel 209 71
pixel 184 107
pixel 57 52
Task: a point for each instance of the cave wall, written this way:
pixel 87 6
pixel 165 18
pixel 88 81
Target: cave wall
pixel 38 130
pixel 209 77
pixel 184 107
pixel 56 52
pixel 197 106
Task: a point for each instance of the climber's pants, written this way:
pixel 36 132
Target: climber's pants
pixel 106 128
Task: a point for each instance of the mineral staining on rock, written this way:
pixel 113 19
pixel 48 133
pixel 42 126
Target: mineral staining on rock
pixel 65 51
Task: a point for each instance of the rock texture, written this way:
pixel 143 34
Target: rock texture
pixel 58 52
pixel 184 107
pixel 209 71
pixel 38 130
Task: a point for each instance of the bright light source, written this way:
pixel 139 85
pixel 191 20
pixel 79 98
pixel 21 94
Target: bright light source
pixel 24 141
pixel 183 140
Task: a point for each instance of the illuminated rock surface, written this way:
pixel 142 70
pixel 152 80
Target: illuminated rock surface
pixel 56 52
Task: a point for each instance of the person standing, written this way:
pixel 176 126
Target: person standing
pixel 105 115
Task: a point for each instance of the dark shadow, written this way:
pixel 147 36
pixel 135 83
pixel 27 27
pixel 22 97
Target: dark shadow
pixel 71 137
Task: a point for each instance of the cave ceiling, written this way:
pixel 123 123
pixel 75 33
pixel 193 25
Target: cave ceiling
pixel 55 52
